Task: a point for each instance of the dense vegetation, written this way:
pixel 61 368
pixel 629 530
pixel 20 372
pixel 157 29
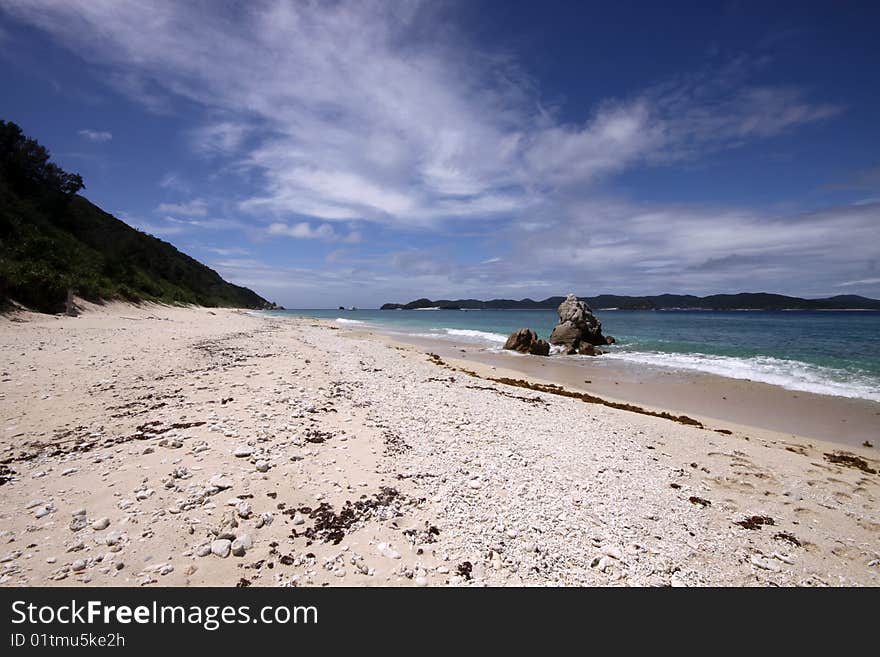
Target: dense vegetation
pixel 742 301
pixel 52 240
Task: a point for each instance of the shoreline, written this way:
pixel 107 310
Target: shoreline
pixel 713 398
pixel 138 442
pixel 793 371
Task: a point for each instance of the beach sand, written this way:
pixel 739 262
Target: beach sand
pixel 136 439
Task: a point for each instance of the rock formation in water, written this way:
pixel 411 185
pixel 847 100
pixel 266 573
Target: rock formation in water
pixel 526 341
pixel 578 330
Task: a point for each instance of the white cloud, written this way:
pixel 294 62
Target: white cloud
pixel 348 117
pixel 222 251
pixel 303 231
pixel 174 181
pixel 614 245
pixel 211 223
pixel 862 282
pixel 95 135
pixel 608 246
pixel 612 140
pixel 169 225
pixel 195 208
pixel 220 138
pixel 162 229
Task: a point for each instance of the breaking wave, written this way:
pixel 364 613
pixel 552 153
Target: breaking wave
pixel 477 336
pixel 790 374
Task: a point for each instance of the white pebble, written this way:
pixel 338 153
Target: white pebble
pixel 101 523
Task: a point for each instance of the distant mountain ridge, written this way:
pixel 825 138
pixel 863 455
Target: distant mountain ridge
pixel 53 241
pixel 741 301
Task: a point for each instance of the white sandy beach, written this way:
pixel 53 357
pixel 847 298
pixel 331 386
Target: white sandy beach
pixel 135 439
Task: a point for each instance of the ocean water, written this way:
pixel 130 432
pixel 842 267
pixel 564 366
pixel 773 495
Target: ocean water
pixel 832 353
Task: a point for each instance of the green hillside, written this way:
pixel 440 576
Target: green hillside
pixel 53 240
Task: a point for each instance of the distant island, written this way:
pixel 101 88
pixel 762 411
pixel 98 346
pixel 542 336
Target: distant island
pixel 741 301
pixel 56 244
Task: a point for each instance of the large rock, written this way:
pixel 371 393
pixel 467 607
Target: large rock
pixel 578 327
pixel 526 341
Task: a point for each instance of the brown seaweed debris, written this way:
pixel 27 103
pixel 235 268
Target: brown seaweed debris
pixel 243 583
pixel 725 432
pixel 788 537
pixel 592 399
pixel 6 474
pixel 419 537
pixel 394 443
pixel 78 440
pixel 464 569
pixel 155 428
pixel 141 406
pixel 850 460
pixel 317 436
pixel 755 522
pixel 530 400
pixel 699 500
pixel 331 527
pixel 559 390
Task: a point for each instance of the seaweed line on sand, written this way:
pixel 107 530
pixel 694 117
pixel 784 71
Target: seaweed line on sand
pixel 850 461
pixel 554 389
pixel 69 442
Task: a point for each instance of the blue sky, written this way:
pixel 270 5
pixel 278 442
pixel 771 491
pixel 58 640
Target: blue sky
pixel 355 153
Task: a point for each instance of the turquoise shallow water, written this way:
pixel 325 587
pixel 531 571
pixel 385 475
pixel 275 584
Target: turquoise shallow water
pixel 835 353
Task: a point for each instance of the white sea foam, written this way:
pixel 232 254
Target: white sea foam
pixel 790 374
pixel 342 320
pixel 477 336
pixel 492 341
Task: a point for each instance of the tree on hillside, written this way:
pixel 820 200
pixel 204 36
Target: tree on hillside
pixel 25 164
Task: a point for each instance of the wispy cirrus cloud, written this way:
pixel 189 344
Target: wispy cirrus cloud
pixel 306 231
pixel 95 135
pixel 220 137
pixel 221 251
pixel 169 225
pixel 303 230
pixel 174 181
pixel 195 208
pixel 862 282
